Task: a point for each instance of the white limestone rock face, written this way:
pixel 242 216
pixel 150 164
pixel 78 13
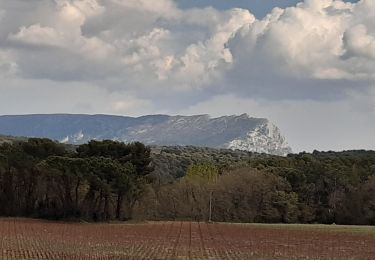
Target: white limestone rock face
pixel 265 138
pixel 75 138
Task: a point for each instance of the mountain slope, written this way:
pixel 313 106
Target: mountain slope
pixel 234 132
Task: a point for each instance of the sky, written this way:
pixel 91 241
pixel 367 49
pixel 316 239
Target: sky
pixel 308 66
pixel 259 8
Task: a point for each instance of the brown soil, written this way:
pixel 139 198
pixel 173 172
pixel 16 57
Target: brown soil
pixel 33 239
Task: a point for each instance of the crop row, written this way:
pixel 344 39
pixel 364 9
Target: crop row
pixel 31 239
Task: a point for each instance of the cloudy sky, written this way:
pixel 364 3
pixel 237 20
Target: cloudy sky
pixel 307 66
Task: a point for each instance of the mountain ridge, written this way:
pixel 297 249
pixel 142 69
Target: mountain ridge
pixel 234 131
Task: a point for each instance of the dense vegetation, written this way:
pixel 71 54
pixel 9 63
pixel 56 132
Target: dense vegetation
pixel 112 180
pixel 96 181
pixel 321 187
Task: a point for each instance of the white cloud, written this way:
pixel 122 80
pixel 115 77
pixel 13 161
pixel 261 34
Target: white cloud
pixel 142 56
pixel 153 54
pixel 37 35
pixel 162 7
pixel 359 42
pixel 318 39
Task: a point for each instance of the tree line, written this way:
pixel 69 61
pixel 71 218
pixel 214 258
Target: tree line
pixel 109 180
pixel 318 187
pixel 95 181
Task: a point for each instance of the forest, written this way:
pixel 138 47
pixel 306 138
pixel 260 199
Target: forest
pixel 98 181
pixel 109 180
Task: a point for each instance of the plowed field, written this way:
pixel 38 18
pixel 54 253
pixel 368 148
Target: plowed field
pixel 34 239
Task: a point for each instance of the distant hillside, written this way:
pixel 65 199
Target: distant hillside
pixel 9 139
pixel 233 132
